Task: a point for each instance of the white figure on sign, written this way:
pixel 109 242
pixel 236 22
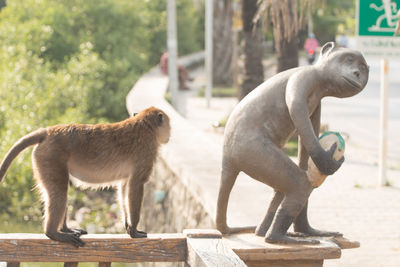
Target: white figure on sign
pixel 391 14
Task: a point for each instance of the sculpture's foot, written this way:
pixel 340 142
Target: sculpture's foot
pixel 226 230
pixel 284 239
pixel 313 232
pixel 260 232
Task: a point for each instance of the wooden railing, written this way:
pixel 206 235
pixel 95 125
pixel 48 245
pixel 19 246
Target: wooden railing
pixel 194 247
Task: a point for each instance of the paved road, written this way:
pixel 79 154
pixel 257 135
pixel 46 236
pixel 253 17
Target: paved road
pixel 350 201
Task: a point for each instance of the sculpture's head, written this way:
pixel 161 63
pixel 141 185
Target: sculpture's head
pixel 345 70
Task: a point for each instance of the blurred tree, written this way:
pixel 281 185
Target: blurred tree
pixel 222 43
pixel 333 17
pixel 190 26
pixel 287 18
pixel 252 46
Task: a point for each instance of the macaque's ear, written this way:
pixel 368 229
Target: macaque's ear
pixel 327 48
pixel 160 119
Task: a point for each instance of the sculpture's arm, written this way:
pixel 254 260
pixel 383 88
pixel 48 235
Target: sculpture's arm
pixel 302 152
pixel 297 92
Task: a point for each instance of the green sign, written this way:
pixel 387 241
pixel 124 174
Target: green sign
pixel 378 17
pixel 377 20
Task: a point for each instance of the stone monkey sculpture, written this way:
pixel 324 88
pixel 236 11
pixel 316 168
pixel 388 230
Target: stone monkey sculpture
pixel 262 123
pixel 114 154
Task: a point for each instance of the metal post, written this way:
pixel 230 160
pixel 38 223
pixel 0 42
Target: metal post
pixel 172 45
pixel 209 49
pixel 383 121
pixel 235 60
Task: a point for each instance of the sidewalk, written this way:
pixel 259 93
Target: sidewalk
pixel 349 202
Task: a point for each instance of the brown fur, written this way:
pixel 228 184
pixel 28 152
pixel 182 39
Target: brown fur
pixel 114 154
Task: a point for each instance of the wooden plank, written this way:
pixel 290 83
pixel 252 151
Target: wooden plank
pixel 290 263
pixel 344 243
pixel 98 248
pixel 206 248
pixel 13 264
pixel 202 233
pixel 250 247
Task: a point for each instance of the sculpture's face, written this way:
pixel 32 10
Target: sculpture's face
pixel 347 70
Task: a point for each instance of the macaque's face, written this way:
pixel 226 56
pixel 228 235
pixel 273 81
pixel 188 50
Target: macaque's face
pixel 164 130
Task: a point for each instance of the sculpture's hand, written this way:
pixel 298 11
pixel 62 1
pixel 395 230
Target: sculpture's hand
pixel 325 162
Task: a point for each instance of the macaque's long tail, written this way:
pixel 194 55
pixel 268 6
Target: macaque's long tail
pixel 26 141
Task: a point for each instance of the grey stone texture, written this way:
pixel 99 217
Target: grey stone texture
pixel 350 201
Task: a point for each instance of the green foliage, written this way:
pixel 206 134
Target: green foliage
pixel 73 61
pixel 333 17
pixel 219 92
pixel 190 24
pixel 291 148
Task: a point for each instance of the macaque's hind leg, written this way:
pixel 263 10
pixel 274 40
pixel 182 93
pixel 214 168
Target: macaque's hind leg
pixel 263 227
pixel 66 229
pixel 53 182
pixel 302 227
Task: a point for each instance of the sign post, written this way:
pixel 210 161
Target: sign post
pixel 376 26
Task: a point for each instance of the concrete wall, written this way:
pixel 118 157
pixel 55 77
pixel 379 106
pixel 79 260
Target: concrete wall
pixel 175 198
pixel 169 206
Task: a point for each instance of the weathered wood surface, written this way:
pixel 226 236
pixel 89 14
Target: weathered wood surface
pixel 289 263
pixel 250 247
pixel 202 233
pixel 344 243
pixel 205 248
pixel 98 248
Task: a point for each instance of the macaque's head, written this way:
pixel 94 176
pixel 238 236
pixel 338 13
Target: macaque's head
pixel 157 120
pixel 345 70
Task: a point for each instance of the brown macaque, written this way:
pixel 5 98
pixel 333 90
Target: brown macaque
pixel 262 123
pixel 117 154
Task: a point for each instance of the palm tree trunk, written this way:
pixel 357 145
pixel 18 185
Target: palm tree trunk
pixel 286 48
pixel 253 68
pixel 288 55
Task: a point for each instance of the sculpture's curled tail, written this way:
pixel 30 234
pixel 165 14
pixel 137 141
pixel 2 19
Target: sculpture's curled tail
pixel 228 178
